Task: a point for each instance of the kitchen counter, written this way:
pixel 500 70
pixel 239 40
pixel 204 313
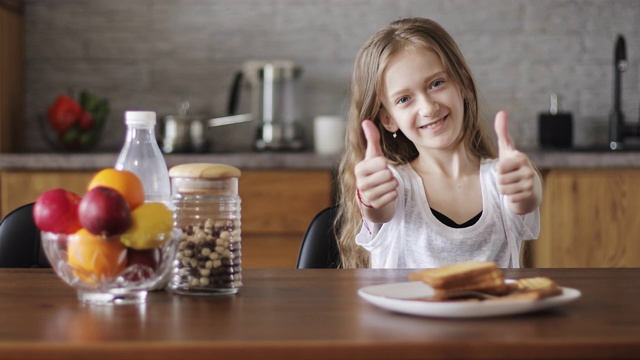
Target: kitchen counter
pixel 550 159
pixel 292 160
pixel 95 161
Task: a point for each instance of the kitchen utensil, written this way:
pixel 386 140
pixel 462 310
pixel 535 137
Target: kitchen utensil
pixel 273 102
pixel 229 120
pixel 187 133
pixel 400 297
pixel 556 128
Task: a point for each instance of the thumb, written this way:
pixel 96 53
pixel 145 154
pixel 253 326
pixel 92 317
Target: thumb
pixel 372 135
pixel 505 143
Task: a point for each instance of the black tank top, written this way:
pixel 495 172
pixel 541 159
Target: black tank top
pixel 450 223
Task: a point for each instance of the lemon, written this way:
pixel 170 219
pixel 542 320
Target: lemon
pixel 151 225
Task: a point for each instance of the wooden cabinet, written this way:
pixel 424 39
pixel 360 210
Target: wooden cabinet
pixel 277 206
pixel 22 187
pixel 589 218
pixel 11 75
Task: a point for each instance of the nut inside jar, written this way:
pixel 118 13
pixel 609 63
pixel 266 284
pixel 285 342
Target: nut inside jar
pixel 209 258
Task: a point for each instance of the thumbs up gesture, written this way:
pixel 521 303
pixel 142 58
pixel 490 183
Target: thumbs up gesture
pixel 374 180
pixel 517 177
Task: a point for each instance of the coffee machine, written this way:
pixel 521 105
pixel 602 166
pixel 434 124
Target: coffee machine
pixel 273 102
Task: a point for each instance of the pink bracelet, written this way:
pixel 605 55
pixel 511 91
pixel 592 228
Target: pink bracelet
pixel 360 199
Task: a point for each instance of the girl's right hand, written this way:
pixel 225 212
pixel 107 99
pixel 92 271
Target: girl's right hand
pixel 374 180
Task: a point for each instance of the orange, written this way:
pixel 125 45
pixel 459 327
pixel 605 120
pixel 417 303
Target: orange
pixel 123 181
pixel 94 258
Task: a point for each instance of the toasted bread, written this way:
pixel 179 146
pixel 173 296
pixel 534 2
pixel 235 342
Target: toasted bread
pixel 543 285
pixel 531 289
pixel 450 283
pixel 494 277
pixel 448 275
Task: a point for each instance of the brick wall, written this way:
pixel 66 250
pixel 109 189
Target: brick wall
pixel 152 54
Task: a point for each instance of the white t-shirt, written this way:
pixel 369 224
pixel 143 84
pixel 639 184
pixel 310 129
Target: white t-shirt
pixel 415 238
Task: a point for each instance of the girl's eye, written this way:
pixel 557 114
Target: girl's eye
pixel 436 83
pixel 402 100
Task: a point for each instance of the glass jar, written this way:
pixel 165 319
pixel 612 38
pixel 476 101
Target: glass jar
pixel 207 210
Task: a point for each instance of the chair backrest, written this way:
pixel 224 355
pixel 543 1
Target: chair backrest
pixel 319 249
pixel 20 245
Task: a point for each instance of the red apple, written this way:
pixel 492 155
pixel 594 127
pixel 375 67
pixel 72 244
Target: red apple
pixel 148 257
pixel 57 211
pixel 103 211
pixel 147 262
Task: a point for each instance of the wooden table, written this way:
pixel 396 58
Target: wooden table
pixel 312 314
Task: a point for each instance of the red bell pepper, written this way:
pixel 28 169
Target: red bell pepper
pixel 64 113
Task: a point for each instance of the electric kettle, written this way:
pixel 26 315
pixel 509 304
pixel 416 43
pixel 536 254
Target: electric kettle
pixel 273 90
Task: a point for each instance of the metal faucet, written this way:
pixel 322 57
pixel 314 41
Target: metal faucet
pixel 617 128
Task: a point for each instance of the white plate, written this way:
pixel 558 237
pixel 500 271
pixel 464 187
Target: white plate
pixel 397 297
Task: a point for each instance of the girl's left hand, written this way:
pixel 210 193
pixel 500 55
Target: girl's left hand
pixel 517 178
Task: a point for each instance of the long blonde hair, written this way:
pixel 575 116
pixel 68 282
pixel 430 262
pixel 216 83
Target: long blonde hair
pixel 366 103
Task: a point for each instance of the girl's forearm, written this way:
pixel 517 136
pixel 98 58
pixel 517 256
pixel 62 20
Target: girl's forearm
pixel 379 215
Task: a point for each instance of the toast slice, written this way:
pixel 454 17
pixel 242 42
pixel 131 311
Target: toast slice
pixel 535 288
pixel 543 285
pixel 456 275
pixel 453 280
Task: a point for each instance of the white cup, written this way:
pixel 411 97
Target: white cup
pixel 328 134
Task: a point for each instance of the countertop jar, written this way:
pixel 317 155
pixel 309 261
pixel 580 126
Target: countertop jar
pixel 207 210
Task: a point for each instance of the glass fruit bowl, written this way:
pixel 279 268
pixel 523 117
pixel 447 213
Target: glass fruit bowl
pixel 104 271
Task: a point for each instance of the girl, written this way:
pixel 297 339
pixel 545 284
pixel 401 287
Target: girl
pixel 420 184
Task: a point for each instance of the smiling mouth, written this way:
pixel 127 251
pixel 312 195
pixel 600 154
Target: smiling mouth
pixel 435 123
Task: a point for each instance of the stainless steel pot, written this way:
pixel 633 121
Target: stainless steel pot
pixel 188 133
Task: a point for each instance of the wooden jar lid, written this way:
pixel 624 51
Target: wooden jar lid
pixel 204 171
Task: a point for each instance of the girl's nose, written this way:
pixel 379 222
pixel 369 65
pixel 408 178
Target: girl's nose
pixel 428 108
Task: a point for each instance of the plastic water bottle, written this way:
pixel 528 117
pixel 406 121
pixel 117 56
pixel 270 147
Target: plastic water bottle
pixel 141 155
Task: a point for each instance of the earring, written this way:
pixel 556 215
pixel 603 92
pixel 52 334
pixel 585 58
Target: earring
pixel 395 135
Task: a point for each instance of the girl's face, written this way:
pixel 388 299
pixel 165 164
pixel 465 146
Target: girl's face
pixel 422 101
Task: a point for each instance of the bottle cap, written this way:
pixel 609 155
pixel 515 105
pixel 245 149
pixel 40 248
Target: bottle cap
pixel 140 117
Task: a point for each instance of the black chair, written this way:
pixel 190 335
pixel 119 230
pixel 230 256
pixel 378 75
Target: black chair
pixel 20 245
pixel 319 249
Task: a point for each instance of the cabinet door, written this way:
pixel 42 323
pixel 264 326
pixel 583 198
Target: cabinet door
pixel 590 218
pixel 277 208
pixel 22 187
pixel 282 202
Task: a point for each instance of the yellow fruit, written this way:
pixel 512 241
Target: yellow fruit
pixel 123 181
pixel 151 225
pixel 94 258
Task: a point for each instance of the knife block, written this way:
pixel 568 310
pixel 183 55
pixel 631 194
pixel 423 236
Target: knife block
pixel 556 130
pixel 555 127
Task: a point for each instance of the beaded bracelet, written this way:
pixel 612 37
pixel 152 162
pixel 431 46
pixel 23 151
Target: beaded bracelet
pixel 360 200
